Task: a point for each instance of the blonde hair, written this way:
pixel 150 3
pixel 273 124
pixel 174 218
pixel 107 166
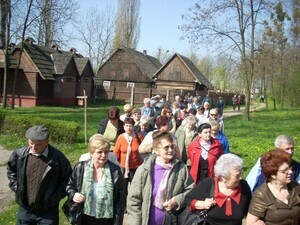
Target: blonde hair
pixel 97 141
pixel 127 108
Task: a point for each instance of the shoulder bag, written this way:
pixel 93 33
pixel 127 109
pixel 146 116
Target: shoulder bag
pixel 196 217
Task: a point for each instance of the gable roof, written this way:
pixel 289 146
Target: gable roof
pixel 81 63
pixel 199 77
pixel 147 64
pixel 49 61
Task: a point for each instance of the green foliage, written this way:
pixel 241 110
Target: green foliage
pixel 61 131
pixel 248 139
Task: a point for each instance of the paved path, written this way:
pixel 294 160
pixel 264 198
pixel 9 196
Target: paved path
pixel 6 195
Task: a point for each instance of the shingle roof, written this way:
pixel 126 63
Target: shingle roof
pixel 52 61
pixel 201 79
pixel 148 64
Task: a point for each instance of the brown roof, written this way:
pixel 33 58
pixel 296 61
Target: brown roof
pixel 81 63
pixel 199 77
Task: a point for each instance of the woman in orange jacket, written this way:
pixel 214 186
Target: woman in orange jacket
pixel 126 150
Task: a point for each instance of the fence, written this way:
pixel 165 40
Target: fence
pixel 137 95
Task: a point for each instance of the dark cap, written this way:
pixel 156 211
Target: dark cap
pixel 37 133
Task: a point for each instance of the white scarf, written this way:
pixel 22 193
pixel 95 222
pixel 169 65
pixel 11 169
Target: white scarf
pixel 160 197
pixel 129 141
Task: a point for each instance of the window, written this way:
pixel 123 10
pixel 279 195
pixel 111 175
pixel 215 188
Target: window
pixel 126 73
pixel 68 79
pixel 106 83
pixel 130 84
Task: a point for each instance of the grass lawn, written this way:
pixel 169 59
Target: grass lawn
pixel 246 139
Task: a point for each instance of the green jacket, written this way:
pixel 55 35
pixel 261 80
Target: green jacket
pixel 139 196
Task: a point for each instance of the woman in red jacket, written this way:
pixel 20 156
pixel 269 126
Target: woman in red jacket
pixel 126 150
pixel 203 153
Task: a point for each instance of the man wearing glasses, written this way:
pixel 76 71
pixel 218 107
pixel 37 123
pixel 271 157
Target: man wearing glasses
pixel 255 177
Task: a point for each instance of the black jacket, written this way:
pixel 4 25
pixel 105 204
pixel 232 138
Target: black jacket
pixel 53 184
pixel 119 198
pixel 103 124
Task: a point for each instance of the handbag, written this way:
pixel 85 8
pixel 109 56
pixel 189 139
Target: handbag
pixel 196 217
pixel 72 211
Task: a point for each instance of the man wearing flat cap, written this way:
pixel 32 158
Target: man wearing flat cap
pixel 38 174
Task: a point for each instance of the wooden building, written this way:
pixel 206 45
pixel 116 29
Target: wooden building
pixel 180 74
pixel 48 76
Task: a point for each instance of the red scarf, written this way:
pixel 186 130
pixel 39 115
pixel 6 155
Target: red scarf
pixel 220 198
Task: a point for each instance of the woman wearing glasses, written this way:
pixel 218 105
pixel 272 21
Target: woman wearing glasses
pixel 226 196
pixel 277 201
pixel 159 184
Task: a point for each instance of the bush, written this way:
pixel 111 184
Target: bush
pixel 60 131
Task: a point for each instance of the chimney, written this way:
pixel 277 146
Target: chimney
pixel 55 46
pixel 73 50
pixel 29 40
pixel 145 52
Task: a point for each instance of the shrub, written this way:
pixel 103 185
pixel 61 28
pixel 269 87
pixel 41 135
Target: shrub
pixel 60 131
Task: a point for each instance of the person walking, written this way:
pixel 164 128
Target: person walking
pixel 38 174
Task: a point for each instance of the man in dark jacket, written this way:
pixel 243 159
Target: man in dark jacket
pixel 38 174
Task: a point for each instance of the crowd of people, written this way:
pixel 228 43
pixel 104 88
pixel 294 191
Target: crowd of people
pixel 153 163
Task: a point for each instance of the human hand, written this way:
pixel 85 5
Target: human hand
pixel 260 222
pixel 78 198
pixel 206 204
pixel 169 205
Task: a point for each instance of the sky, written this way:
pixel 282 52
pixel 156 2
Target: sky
pixel 159 23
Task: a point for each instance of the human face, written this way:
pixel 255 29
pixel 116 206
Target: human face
pixel 214 131
pixel 288 148
pixel 37 147
pixel 284 174
pixel 165 128
pixel 205 134
pixel 169 113
pixel 128 127
pixel 190 126
pixel 234 179
pixel 144 127
pixel 213 115
pixel 165 150
pixel 100 157
pixel 136 116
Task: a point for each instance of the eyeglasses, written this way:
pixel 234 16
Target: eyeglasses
pixel 167 147
pixel 238 176
pixel 286 171
pixel 213 114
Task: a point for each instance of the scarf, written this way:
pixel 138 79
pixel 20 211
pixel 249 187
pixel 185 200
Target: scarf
pixel 128 152
pixel 160 197
pixel 221 198
pixel 99 202
pixel 205 147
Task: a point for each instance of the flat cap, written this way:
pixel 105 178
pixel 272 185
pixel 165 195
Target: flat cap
pixel 37 133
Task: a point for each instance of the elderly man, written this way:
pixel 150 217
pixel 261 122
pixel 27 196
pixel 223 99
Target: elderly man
pixel 255 177
pixel 38 174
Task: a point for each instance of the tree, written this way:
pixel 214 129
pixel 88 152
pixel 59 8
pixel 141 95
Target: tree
pixel 162 55
pixel 96 32
pixel 235 31
pixel 5 32
pixel 47 20
pixel 127 28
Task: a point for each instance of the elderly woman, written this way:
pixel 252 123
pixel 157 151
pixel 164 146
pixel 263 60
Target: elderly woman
pixel 127 150
pixel 111 127
pixel 217 134
pixel 145 125
pixel 136 116
pixel 185 134
pixel 231 195
pixel 203 153
pixel 277 201
pixel 167 111
pixel 160 184
pixel 98 185
pixel 162 124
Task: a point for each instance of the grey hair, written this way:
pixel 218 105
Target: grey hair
pixel 225 163
pixel 191 120
pixel 283 139
pixel 145 119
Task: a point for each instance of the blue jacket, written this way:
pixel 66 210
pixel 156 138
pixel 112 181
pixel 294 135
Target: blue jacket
pixel 224 142
pixel 256 178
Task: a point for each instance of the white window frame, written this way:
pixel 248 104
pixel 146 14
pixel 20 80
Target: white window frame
pixel 106 83
pixel 130 85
